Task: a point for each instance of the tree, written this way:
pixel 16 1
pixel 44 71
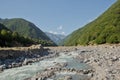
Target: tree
pixel 15 35
pixel 113 39
pixel 4 32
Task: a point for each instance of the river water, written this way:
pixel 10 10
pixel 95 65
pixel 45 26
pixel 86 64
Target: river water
pixel 20 73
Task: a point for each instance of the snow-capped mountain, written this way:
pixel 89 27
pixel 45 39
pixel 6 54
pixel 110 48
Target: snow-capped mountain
pixel 55 37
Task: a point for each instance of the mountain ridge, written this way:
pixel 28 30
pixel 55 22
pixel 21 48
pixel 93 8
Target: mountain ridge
pixel 104 29
pixel 25 28
pixel 12 39
pixel 57 38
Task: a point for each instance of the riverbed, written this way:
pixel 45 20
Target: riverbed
pixel 99 62
pixel 21 73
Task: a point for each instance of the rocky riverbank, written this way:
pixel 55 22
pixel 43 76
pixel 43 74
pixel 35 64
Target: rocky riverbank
pixel 104 60
pixel 19 56
pixel 54 72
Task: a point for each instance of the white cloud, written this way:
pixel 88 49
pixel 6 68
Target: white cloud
pixel 60 28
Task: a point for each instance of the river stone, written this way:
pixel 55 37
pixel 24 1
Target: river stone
pixel 68 78
pixel 114 58
pixel 1 68
pixel 90 74
pixel 25 62
pixel 87 71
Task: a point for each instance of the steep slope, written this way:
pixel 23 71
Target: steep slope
pixel 24 28
pixel 55 37
pixel 104 29
pixel 10 39
pixel 3 27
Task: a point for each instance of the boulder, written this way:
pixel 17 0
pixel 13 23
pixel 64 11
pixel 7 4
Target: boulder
pixel 68 78
pixel 1 68
pixel 25 62
pixel 87 71
pixel 39 46
pixel 86 61
pixel 114 58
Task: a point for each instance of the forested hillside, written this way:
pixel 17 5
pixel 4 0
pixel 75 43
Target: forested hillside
pixel 104 29
pixel 27 30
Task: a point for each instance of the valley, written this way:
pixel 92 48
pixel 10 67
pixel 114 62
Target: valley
pixel 70 63
pixel 29 51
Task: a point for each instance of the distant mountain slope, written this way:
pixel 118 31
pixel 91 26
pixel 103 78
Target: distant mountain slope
pixel 104 29
pixel 10 39
pixel 24 28
pixel 3 27
pixel 55 37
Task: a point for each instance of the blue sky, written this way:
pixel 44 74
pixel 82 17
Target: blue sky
pixel 55 16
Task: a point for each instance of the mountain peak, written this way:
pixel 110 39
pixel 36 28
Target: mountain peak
pixel 24 27
pixel 57 38
pixel 27 29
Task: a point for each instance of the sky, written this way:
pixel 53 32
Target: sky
pixel 55 16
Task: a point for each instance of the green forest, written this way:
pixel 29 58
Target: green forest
pixel 104 29
pixel 10 38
